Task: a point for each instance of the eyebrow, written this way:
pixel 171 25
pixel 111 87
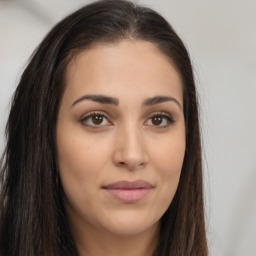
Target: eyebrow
pixel 160 99
pixel 98 98
pixel 114 101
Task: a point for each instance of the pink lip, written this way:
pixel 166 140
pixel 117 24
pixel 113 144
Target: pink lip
pixel 129 191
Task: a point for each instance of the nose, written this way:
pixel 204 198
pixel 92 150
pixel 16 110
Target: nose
pixel 129 149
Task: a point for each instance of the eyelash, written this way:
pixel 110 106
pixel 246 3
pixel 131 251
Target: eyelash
pixel 162 115
pixel 92 114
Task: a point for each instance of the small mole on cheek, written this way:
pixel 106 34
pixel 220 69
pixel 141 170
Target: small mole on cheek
pixel 88 148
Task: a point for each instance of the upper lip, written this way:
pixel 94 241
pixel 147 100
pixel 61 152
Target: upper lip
pixel 137 184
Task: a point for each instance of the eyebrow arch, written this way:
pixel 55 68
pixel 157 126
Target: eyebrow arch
pixel 114 101
pixel 160 99
pixel 98 98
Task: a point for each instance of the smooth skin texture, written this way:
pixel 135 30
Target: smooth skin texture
pixel 100 143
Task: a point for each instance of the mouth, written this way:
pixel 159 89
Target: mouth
pixel 129 191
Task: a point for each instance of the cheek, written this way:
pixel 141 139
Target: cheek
pixel 80 165
pixel 168 163
pixel 80 155
pixel 169 155
pixel 80 161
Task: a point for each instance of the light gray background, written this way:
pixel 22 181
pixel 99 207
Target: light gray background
pixel 221 38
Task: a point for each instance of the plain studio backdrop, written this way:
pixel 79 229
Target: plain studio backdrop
pixel 221 39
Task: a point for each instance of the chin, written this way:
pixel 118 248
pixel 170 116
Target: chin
pixel 130 224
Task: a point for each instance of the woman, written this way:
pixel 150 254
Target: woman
pixel 103 152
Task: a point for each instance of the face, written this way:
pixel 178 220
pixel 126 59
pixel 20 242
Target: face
pixel 120 137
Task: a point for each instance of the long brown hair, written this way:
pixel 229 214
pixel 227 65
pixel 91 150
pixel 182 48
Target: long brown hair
pixel 33 219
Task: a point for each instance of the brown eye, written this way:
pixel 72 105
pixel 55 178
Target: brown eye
pixel 97 119
pixel 157 120
pixel 160 121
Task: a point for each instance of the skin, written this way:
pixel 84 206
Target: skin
pixel 126 144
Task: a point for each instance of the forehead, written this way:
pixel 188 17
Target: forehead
pixel 131 66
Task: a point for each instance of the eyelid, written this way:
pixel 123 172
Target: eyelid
pixel 95 113
pixel 165 115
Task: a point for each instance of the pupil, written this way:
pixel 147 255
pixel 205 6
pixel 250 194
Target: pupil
pixel 157 120
pixel 97 119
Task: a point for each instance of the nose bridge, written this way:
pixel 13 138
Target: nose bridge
pixel 132 138
pixel 130 148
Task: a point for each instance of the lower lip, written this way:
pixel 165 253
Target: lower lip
pixel 129 195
